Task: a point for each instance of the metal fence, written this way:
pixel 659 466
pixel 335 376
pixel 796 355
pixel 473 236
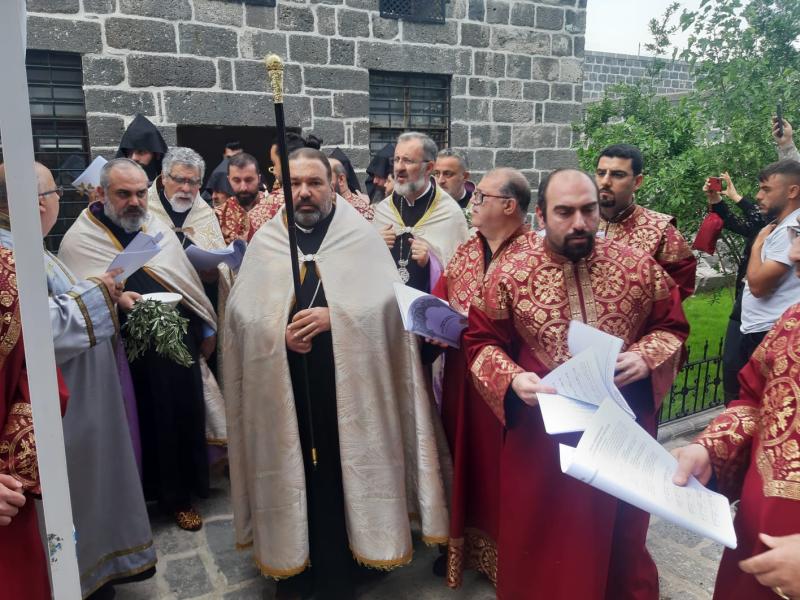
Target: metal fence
pixel 698 385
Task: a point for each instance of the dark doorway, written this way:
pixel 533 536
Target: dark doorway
pixel 209 141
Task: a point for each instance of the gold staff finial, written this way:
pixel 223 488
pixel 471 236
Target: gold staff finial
pixel 275 71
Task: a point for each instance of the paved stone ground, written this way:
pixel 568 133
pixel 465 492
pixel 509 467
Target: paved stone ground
pixel 205 565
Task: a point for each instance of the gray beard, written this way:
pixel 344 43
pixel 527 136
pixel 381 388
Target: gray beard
pixel 410 188
pixel 180 205
pixel 129 224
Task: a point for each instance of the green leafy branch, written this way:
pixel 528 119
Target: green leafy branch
pixel 151 322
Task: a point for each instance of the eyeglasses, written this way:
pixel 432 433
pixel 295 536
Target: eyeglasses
pixel 185 181
pixel 402 160
pixel 478 197
pixel 59 191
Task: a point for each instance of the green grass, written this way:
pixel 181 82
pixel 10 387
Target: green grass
pixel 707 314
pixel 708 319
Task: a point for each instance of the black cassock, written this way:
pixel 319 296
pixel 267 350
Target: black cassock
pixel 332 564
pixel 419 277
pixel 169 401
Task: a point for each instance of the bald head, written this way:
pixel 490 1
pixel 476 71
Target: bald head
pixel 48 196
pixel 514 185
pixel 44 179
pixel 339 176
pixel 563 178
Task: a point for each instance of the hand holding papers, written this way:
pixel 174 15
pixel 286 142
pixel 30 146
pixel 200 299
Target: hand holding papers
pixel 429 316
pixel 136 255
pixel 204 260
pixel 583 382
pixel 617 456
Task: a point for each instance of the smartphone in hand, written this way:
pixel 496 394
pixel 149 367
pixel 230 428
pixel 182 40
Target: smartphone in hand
pixel 779 119
pixel 714 184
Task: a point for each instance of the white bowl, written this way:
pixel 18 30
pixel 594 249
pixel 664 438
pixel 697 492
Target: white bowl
pixel 167 298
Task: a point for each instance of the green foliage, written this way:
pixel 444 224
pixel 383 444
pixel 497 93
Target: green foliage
pixel 744 61
pixel 152 321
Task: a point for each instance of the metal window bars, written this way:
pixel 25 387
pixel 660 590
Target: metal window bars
pixel 401 102
pixel 423 11
pixel 60 137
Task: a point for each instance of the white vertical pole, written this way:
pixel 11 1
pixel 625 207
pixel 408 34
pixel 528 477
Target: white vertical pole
pixel 15 127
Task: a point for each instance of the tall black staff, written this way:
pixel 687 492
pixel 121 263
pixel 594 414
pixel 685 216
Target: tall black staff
pixel 275 71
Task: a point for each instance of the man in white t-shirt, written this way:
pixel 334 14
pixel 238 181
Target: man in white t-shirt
pixel 770 287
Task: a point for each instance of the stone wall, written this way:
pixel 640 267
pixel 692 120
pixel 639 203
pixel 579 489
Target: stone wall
pixel 516 68
pixel 602 69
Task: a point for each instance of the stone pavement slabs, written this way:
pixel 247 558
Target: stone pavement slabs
pixel 205 565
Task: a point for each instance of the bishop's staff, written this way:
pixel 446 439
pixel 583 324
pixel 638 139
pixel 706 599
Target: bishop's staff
pixel 275 71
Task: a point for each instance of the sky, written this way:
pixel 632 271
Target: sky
pixel 621 25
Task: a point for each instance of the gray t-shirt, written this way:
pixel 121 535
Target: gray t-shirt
pixel 760 314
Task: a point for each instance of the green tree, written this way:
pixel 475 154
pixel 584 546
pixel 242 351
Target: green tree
pixel 744 60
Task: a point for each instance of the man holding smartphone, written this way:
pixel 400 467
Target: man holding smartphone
pixel 748 224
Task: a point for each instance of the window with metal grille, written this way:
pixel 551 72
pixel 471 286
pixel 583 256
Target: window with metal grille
pixel 425 11
pixel 401 102
pixel 60 139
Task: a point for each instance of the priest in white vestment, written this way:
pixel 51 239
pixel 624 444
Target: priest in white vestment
pixel 170 397
pixel 379 451
pixel 420 222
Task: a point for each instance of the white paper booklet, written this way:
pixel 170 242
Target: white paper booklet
pixel 91 176
pixel 583 382
pixel 136 255
pixel 204 260
pixel 617 456
pixel 429 316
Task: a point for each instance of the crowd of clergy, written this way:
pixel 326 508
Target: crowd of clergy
pixel 341 431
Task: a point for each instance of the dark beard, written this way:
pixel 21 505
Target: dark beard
pixel 246 199
pixel 772 214
pixel 576 253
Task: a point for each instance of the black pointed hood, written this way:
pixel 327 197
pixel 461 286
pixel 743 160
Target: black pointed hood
pixel 141 134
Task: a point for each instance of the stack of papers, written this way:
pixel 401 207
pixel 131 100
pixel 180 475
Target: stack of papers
pixel 136 255
pixel 429 316
pixel 583 382
pixel 617 456
pixel 204 260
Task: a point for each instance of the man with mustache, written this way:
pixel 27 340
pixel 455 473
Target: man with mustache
pixel 619 175
pixel 170 398
pixel 249 207
pixel 420 223
pixel 311 516
pixel 552 527
pixel 498 207
pixel 174 199
pixel 769 286
pixel 143 143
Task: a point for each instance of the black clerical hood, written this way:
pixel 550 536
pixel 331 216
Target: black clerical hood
pixel 141 134
pixel 382 164
pixel 352 180
pixel 218 180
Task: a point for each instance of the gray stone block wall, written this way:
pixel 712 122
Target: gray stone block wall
pixel 603 69
pixel 516 68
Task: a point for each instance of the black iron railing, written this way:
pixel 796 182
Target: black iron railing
pixel 698 385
